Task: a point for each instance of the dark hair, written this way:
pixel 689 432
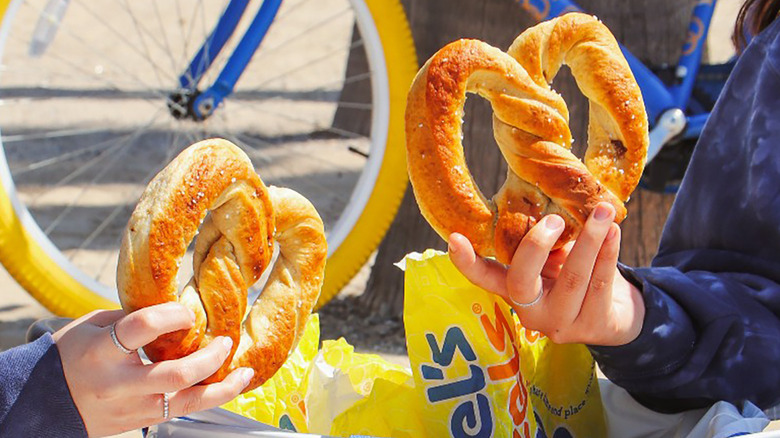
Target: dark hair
pixel 753 17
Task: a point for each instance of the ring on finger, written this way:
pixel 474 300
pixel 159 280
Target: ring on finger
pixel 166 404
pixel 534 301
pixel 118 344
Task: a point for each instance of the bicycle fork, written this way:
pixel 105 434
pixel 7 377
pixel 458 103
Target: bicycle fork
pixel 189 102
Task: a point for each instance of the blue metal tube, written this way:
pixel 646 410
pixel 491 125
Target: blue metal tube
pixel 695 125
pixel 688 64
pixel 213 45
pixel 241 56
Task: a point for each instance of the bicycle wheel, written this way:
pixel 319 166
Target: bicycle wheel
pixel 84 125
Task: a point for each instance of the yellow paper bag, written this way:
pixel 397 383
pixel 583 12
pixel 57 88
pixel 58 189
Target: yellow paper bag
pixel 281 400
pixel 480 374
pixel 475 372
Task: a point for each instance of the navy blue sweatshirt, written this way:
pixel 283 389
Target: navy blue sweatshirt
pixel 34 397
pixel 712 294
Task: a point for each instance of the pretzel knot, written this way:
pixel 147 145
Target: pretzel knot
pixel 235 245
pixel 530 125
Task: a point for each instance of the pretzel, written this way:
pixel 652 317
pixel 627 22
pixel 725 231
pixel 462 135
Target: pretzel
pixel 530 125
pixel 235 245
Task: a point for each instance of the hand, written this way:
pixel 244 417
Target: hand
pixel 584 299
pixel 115 392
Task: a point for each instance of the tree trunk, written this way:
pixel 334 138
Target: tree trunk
pixel 437 22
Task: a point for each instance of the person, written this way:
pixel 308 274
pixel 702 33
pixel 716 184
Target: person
pixel 702 323
pixel 87 379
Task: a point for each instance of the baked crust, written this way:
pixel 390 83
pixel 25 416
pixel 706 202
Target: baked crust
pixel 530 125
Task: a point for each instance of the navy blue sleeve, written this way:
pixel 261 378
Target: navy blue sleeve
pixel 712 295
pixel 706 337
pixel 34 397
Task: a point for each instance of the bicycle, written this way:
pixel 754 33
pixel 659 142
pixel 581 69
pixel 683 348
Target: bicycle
pixel 678 98
pixel 96 97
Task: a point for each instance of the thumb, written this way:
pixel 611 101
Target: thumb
pixel 485 273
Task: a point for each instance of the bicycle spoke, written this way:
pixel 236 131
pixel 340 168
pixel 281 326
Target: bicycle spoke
pixel 50 134
pixel 265 51
pixel 86 166
pixel 256 146
pixel 68 32
pixel 72 204
pixel 65 157
pixel 185 41
pixel 188 38
pixel 316 127
pixel 142 30
pixel 321 89
pixel 102 226
pixel 167 49
pixel 287 11
pixel 103 56
pixel 205 60
pixel 252 151
pixel 292 150
pixel 122 38
pixel 313 62
pixel 101 79
pixel 148 55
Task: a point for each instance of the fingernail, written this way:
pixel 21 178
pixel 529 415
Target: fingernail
pixel 553 222
pixel 612 232
pixel 601 212
pixel 450 246
pixel 227 342
pixel 246 375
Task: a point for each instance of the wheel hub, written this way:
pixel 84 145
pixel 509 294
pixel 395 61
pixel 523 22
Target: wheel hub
pixel 181 104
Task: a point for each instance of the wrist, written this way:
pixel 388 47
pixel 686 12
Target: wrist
pixel 634 311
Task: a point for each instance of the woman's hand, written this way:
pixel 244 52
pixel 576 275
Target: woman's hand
pixel 584 299
pixel 115 392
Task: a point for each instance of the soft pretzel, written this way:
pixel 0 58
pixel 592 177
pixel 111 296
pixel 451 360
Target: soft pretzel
pixel 530 125
pixel 234 247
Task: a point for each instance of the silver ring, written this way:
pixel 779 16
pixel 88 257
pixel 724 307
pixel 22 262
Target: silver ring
pixel 165 405
pixel 118 344
pixel 535 300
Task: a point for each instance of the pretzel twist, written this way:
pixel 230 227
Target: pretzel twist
pixel 233 248
pixel 530 125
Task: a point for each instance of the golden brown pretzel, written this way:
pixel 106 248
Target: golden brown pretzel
pixel 234 247
pixel 530 125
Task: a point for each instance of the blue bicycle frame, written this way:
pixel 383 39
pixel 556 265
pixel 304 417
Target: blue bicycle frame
pixel 666 106
pixel 205 102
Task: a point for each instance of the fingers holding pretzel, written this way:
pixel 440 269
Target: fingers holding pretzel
pixel 584 299
pixel 115 391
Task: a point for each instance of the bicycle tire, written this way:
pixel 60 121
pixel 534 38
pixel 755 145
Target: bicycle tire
pixel 382 206
pixel 34 261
